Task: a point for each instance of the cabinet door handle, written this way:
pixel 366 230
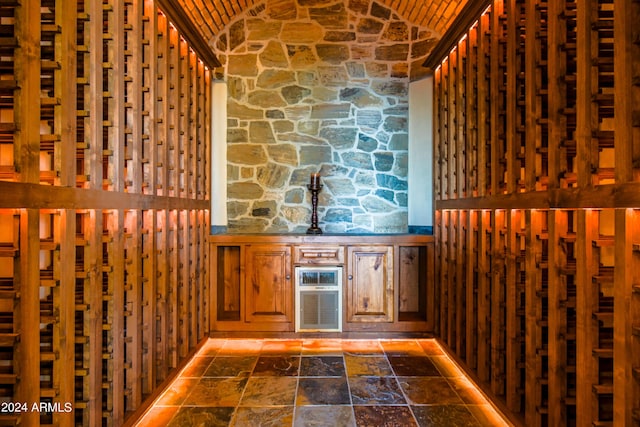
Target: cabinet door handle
pixel 350 277
pixel 288 276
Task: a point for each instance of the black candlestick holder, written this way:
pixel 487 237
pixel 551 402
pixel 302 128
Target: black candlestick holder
pixel 315 189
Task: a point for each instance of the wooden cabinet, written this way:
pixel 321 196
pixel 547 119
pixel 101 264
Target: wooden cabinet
pixel 387 281
pixel 370 284
pixel 253 288
pixel 268 285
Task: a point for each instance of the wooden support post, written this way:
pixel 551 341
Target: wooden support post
pixel 174 288
pixel 511 107
pixel 161 125
pixel 483 114
pixel 133 27
pixel 626 322
pixel 173 118
pixel 65 88
pixel 27 94
pixel 556 98
pixel 163 314
pixel 65 117
pixel 451 279
pixel 533 337
pixel 27 315
pixel 182 120
pixel 484 297
pixel 204 275
pixel 191 254
pixel 205 150
pixel 65 302
pixel 182 263
pixel 115 298
pixel 133 309
pixel 93 95
pixel 26 358
pixel 430 287
pixel 513 332
pixel 497 302
pixel 460 282
pixel 557 326
pixel 471 256
pixel 438 262
pixel 149 296
pixel 453 119
pixel 626 317
pixel 441 232
pixel 93 327
pixel 461 126
pixel 191 131
pixel 586 367
pixel 150 93
pixel 437 137
pixel 449 143
pixel 471 113
pixel 445 301
pixel 533 108
pixel 627 91
pixel 162 43
pixel 134 241
pixel 497 105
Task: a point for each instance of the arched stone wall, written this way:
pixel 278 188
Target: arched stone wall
pixel 319 86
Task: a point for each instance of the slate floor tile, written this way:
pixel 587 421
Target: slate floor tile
pixel 270 391
pixel 445 415
pixel 413 366
pixel 429 390
pixel 323 391
pixel 384 416
pixel 315 382
pixel 216 392
pixel 277 366
pixel 263 416
pixel 375 391
pixel 322 366
pixel 202 417
pixel 324 416
pixel 367 366
pixel 231 366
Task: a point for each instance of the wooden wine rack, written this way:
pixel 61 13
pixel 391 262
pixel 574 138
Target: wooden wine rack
pixel 104 215
pixel 537 198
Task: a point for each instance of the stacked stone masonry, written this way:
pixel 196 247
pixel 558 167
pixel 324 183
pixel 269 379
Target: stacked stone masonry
pixel 317 86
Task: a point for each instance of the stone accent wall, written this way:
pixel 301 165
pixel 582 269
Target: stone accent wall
pixel 319 86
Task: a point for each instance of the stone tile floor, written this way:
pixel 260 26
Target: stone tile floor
pixel 321 382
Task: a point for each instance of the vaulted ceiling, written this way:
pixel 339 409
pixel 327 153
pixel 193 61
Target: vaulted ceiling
pixel 212 16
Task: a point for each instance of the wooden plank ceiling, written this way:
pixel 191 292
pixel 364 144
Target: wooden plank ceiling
pixel 212 16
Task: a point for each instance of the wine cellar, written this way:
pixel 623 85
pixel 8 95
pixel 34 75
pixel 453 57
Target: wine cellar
pixel 111 274
pixel 104 213
pixel 537 199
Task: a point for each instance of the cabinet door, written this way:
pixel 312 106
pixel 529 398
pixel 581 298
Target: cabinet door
pixel 370 284
pixel 268 286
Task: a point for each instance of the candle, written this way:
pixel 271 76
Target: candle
pixel 315 180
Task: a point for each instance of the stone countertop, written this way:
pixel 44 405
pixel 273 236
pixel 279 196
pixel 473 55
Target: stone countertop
pixel 334 238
